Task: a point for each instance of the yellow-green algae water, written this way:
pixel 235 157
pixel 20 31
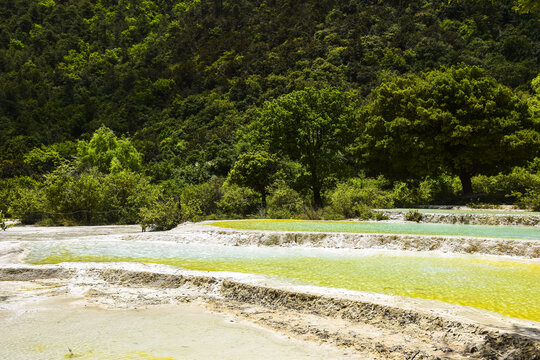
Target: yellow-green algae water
pixel 507 287
pixel 488 231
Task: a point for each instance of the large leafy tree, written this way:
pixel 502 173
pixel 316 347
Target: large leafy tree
pixel 108 153
pixel 312 127
pixel 254 170
pixel 457 119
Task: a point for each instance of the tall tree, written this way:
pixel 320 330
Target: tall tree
pixel 455 119
pixel 312 127
pixel 254 170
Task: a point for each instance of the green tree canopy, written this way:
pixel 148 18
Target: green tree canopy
pixel 312 127
pixel 254 170
pixel 108 153
pixel 528 6
pixel 455 119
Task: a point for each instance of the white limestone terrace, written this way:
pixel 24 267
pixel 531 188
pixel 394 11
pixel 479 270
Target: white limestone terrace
pixel 358 324
pixel 367 325
pixel 466 215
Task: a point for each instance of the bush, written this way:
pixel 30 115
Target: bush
pixel 3 225
pixel 356 197
pixel 126 193
pixel 71 197
pixel 90 197
pixel 413 215
pixel 238 201
pixel 441 190
pixel 27 205
pixel 530 199
pixel 107 153
pixel 12 189
pixel 198 201
pixel 511 187
pixel 283 202
pixel 42 160
pixel 161 215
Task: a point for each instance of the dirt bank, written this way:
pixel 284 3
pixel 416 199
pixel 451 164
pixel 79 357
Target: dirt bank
pixel 368 325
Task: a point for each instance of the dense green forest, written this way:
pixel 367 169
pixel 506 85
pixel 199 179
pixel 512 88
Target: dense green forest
pixel 124 111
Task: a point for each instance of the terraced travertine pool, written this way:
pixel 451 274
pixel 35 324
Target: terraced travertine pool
pixel 465 211
pixel 61 328
pixel 487 231
pixel 509 287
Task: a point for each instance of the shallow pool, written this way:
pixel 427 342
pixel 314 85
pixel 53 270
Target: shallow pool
pixel 465 211
pixel 507 287
pixel 60 328
pixel 488 231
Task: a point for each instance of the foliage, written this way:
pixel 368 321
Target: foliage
pixel 239 201
pixel 201 200
pixel 528 6
pixel 42 160
pixel 501 186
pixel 27 205
pixel 534 99
pixel 313 127
pixel 356 197
pixel 3 225
pixel 442 189
pixel 107 153
pixel 77 192
pixel 413 215
pixel 519 185
pixel 284 202
pixel 254 170
pixel 457 120
pixel 530 199
pixel 161 215
pixel 187 87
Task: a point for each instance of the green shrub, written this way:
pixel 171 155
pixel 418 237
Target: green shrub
pixel 511 187
pixel 284 202
pixel 432 190
pixel 238 201
pixel 198 201
pixel 413 215
pixel 91 197
pixel 11 189
pixel 356 197
pixel 3 225
pixel 530 199
pixel 161 215
pixel 27 205
pixel 108 153
pixel 43 160
pixel 71 197
pixel 126 193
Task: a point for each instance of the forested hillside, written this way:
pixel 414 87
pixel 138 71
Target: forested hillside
pixel 192 86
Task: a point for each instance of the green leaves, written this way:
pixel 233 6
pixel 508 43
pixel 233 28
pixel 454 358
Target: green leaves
pixel 313 127
pixel 455 119
pixel 108 153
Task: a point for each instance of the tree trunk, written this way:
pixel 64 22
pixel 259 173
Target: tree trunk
pixel 315 185
pixel 466 183
pixel 317 199
pixel 263 200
